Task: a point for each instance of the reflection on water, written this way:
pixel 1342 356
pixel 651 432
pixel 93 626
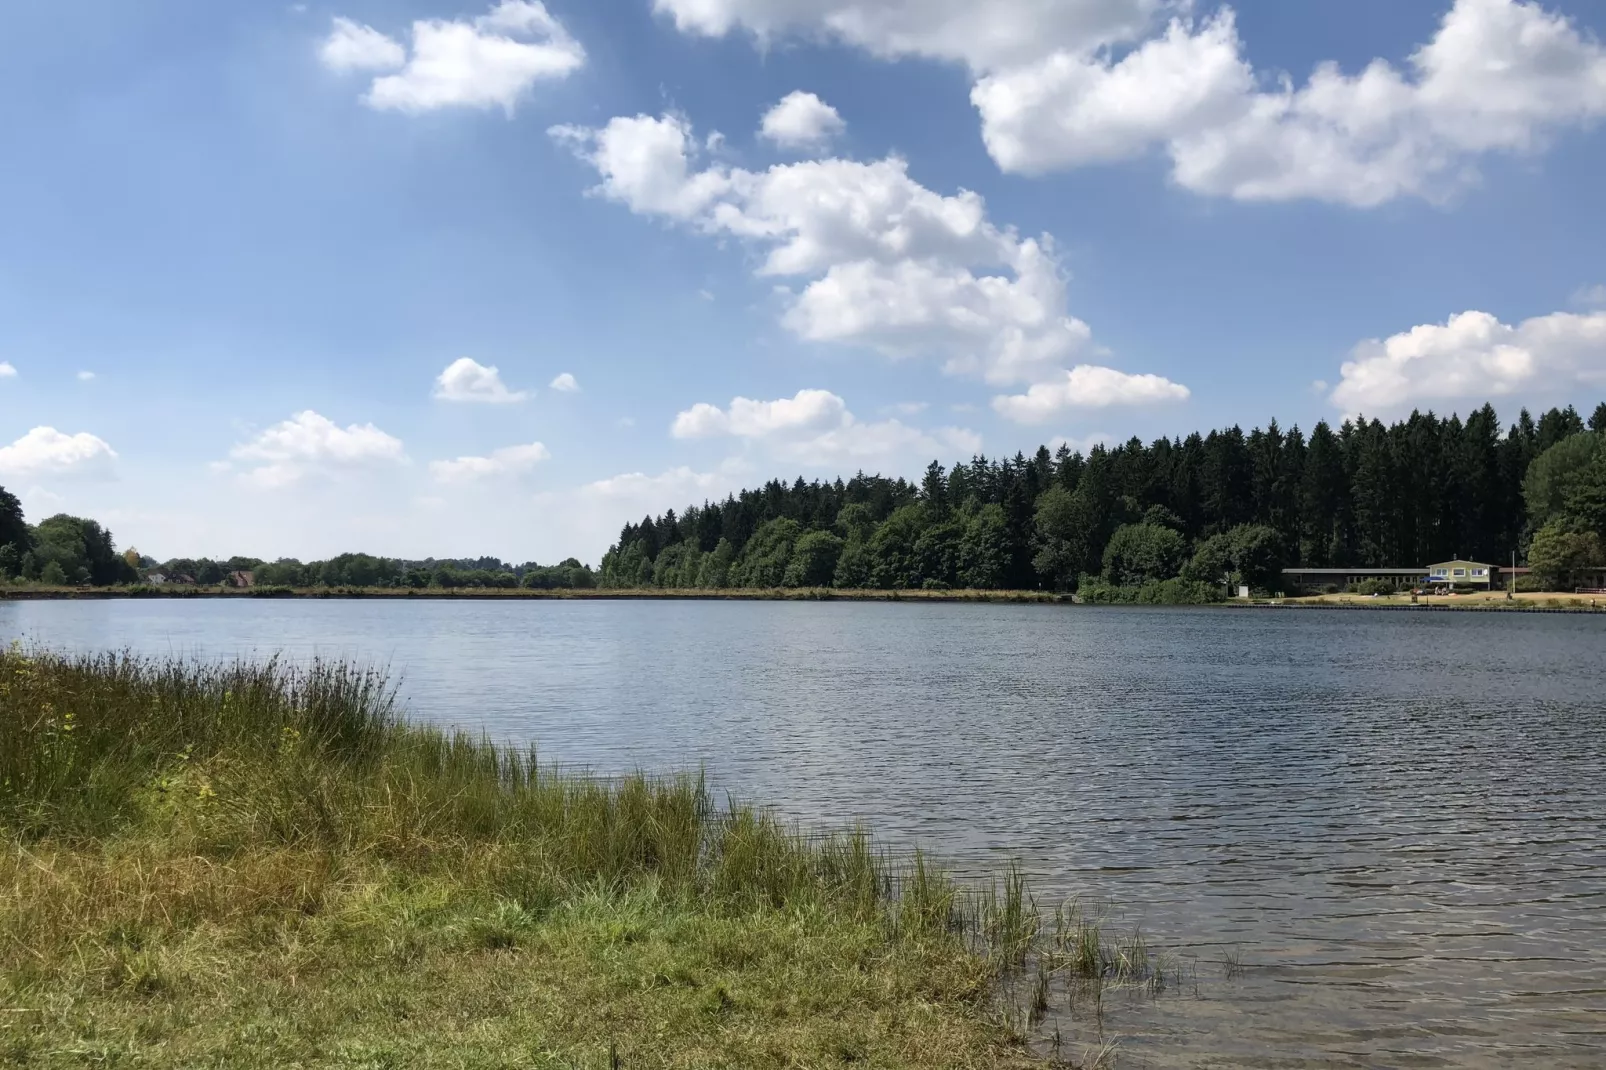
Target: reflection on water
pixel 1397 820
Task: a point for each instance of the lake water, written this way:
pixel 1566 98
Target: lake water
pixel 1397 820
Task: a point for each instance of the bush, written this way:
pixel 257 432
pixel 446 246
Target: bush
pixel 1172 592
pixel 1371 587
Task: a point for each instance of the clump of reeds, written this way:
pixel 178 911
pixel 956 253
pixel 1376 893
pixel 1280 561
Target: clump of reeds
pixel 278 755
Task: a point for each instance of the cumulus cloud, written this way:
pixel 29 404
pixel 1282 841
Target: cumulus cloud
pixel 7 371
pixel 490 61
pixel 86 377
pixel 1474 356
pixel 465 379
pixel 566 384
pixel 878 259
pixel 1590 297
pixel 510 461
pixel 815 428
pixel 801 121
pixel 352 46
pixel 1087 386
pixel 45 452
pixel 311 444
pixel 982 34
pixel 1060 85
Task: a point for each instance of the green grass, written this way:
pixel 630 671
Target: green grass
pixel 260 865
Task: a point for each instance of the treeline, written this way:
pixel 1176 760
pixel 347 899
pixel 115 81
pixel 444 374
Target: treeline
pixel 365 570
pixel 59 551
pixel 71 551
pixel 1173 520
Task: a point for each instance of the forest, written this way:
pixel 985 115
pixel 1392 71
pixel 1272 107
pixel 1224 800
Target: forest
pixel 1176 520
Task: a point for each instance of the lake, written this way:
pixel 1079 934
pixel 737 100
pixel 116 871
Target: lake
pixel 1396 821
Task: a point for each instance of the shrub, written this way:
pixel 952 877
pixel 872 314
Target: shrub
pixel 1374 586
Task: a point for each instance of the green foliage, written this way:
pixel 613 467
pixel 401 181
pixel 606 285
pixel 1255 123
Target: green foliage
pixel 814 560
pixel 81 550
pixel 14 531
pixel 1171 592
pixel 1062 533
pixel 853 566
pixel 52 575
pixel 1552 476
pixel 1213 508
pixel 985 550
pixel 1559 551
pixel 763 563
pixel 1374 586
pixel 894 563
pixel 1249 555
pixel 1140 553
pixel 714 572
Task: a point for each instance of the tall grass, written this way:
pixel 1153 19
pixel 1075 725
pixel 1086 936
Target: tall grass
pixel 277 755
pixel 146 801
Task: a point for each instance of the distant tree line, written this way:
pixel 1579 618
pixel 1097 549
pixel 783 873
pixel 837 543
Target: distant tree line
pixel 365 570
pixel 71 551
pixel 62 550
pixel 1177 519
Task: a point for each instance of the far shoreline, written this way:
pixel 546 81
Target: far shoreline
pixel 1495 602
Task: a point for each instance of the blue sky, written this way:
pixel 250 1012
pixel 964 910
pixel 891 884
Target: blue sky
pixel 257 259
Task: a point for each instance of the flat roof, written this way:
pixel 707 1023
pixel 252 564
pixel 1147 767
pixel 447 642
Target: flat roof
pixel 1353 571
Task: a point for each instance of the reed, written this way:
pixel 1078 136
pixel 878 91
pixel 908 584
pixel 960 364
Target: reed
pixel 263 864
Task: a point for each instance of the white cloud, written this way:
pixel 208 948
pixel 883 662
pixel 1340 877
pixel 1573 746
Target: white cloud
pixel 86 377
pixel 1472 357
pixel 511 461
pixel 311 444
pixel 801 121
pixel 7 371
pixel 465 379
pixel 1061 84
pixel 1069 109
pixel 882 260
pixel 983 34
pixel 1087 387
pixel 815 428
pixel 351 46
pixel 491 61
pixel 809 409
pixel 44 451
pixel 566 384
pixel 1083 445
pixel 1590 297
pixel 672 488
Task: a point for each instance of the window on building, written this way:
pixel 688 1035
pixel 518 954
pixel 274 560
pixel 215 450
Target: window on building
pixel 1460 572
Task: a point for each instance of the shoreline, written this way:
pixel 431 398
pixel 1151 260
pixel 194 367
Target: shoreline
pixel 1528 603
pixel 281 866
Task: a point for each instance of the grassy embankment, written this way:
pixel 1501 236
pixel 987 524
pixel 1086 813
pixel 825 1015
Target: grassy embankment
pixel 255 866
pixel 1482 600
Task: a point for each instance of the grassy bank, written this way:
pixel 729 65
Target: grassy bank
pixel 255 865
pixel 778 594
pixel 1482 600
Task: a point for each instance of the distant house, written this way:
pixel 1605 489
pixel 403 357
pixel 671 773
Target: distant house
pixel 1319 579
pixel 1460 573
pixel 156 579
pixel 241 579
